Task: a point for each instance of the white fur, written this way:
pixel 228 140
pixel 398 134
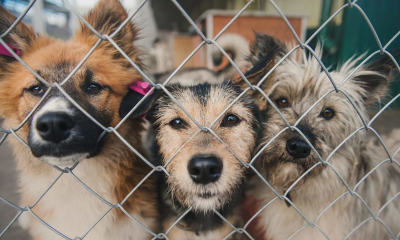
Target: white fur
pixel 65 161
pixel 72 210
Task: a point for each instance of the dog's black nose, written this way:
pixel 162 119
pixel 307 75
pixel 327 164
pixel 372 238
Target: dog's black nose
pixel 298 148
pixel 55 126
pixel 204 170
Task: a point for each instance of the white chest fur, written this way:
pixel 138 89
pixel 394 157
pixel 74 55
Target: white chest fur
pixel 71 209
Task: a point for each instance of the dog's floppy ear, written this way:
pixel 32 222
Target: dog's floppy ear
pixel 132 98
pixel 375 78
pixel 257 73
pixel 19 39
pixel 106 17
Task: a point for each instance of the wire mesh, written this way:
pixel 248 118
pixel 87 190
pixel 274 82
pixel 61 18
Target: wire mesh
pixel 206 41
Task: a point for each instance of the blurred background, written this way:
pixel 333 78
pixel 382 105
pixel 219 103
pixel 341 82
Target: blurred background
pixel 168 38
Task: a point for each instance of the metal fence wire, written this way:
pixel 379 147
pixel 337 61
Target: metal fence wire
pixel 205 41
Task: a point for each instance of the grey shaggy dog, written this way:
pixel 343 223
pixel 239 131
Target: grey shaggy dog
pixel 334 129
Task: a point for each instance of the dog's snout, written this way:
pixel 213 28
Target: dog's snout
pixel 298 148
pixel 55 126
pixel 204 170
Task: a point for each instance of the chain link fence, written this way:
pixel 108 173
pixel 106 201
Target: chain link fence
pixel 13 133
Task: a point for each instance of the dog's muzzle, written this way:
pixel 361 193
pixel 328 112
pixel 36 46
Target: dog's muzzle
pixel 297 148
pixel 55 126
pixel 61 135
pixel 205 169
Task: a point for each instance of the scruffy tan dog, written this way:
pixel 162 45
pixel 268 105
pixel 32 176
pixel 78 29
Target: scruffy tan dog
pixel 292 166
pixel 57 133
pixel 204 174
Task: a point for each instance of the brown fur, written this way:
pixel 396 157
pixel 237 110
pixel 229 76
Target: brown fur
pixel 240 138
pixel 115 163
pixel 205 102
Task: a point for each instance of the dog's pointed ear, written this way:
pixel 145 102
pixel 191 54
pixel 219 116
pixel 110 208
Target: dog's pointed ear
pixel 19 39
pixel 132 98
pixel 262 45
pixel 106 17
pixel 257 73
pixel 376 76
pixel 264 51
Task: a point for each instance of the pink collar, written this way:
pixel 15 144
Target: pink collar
pixel 5 52
pixel 142 88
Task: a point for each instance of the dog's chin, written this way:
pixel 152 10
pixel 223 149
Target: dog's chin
pixel 65 153
pixel 286 172
pixel 284 175
pixel 207 202
pixel 63 161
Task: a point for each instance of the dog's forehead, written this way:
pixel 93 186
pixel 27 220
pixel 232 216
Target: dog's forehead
pixel 56 72
pixel 207 95
pixel 305 85
pixel 56 61
pixel 203 93
pixel 54 52
pixel 203 101
pixel 305 81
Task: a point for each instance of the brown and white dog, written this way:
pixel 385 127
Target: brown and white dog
pixel 203 173
pixel 59 134
pixel 293 168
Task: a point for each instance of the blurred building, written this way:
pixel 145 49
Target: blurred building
pixel 49 16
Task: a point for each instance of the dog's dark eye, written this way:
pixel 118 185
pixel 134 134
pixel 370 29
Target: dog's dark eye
pixel 282 102
pixel 328 113
pixel 177 123
pixel 230 121
pixel 94 88
pixel 36 90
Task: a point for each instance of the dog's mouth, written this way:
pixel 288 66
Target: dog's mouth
pixel 301 161
pixel 207 198
pixel 60 142
pixel 206 195
pixel 61 135
pixel 65 152
pixel 283 168
pixel 207 201
pixel 65 160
